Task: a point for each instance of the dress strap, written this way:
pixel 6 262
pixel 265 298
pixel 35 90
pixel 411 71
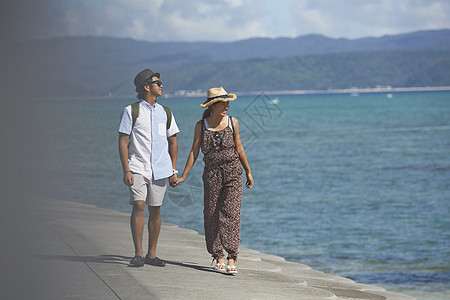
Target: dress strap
pixel 230 123
pixel 203 127
pixel 205 124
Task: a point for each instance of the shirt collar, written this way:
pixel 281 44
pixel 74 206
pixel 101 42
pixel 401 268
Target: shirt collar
pixel 145 103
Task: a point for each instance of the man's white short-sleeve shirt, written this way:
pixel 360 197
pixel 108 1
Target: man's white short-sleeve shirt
pixel 148 152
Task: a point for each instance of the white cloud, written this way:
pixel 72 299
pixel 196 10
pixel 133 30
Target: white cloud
pixel 234 3
pixel 205 9
pixel 137 29
pixel 208 20
pixel 228 20
pixel 356 18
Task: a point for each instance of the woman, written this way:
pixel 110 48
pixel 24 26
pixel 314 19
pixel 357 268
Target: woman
pixel 218 137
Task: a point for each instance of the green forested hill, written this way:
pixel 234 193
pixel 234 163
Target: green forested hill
pixel 94 66
pixel 330 71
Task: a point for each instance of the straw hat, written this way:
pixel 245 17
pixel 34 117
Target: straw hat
pixel 217 95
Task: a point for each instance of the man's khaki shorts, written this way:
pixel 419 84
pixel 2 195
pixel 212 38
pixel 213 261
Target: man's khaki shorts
pixel 150 191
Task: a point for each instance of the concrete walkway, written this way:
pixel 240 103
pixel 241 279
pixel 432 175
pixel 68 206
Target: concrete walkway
pixel 82 252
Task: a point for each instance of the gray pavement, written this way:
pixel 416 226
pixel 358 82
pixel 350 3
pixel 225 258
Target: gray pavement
pixel 80 251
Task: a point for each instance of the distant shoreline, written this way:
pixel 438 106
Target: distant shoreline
pixel 352 91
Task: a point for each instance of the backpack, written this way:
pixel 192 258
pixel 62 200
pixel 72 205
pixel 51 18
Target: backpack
pixel 135 114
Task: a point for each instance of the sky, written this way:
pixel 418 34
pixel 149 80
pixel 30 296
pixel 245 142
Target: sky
pixel 227 20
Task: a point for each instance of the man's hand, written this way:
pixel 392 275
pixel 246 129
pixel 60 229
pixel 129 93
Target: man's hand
pixel 173 180
pixel 128 178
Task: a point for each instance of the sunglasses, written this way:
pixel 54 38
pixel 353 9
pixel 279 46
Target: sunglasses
pixel 218 138
pixel 157 82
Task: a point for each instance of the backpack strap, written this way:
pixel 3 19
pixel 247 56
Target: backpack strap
pixel 169 116
pixel 135 114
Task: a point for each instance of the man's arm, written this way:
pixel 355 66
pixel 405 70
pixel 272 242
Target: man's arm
pixel 173 152
pixel 123 153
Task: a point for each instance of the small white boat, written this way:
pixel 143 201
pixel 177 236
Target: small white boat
pixel 274 101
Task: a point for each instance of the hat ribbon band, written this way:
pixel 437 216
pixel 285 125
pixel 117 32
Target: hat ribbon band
pixel 212 98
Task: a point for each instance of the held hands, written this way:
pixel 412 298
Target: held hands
pixel 178 181
pixel 174 180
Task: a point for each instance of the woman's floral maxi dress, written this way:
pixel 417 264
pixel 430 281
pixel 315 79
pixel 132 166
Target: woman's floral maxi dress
pixel 222 181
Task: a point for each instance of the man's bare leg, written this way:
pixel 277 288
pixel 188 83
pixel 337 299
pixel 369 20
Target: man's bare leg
pixel 154 227
pixel 137 226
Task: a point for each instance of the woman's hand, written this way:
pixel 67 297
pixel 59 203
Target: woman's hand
pixel 249 183
pixel 180 180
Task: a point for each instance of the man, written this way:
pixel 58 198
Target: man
pixel 148 150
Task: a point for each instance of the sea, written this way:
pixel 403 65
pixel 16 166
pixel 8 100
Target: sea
pixel 354 185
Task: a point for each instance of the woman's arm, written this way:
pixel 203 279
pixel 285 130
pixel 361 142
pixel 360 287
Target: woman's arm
pixel 192 157
pixel 242 156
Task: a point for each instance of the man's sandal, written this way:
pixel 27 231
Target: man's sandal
pixel 232 269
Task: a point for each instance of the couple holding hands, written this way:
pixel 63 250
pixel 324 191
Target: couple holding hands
pixel 148 150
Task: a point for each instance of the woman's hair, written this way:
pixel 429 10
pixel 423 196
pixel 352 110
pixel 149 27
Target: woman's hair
pixel 207 112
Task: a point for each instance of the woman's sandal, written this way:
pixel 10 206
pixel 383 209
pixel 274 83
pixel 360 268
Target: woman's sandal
pixel 232 269
pixel 219 267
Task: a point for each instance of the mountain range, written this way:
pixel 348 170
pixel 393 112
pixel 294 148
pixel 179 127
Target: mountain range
pixel 100 66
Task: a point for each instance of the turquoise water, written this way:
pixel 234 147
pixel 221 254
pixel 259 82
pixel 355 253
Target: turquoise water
pixel 353 186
